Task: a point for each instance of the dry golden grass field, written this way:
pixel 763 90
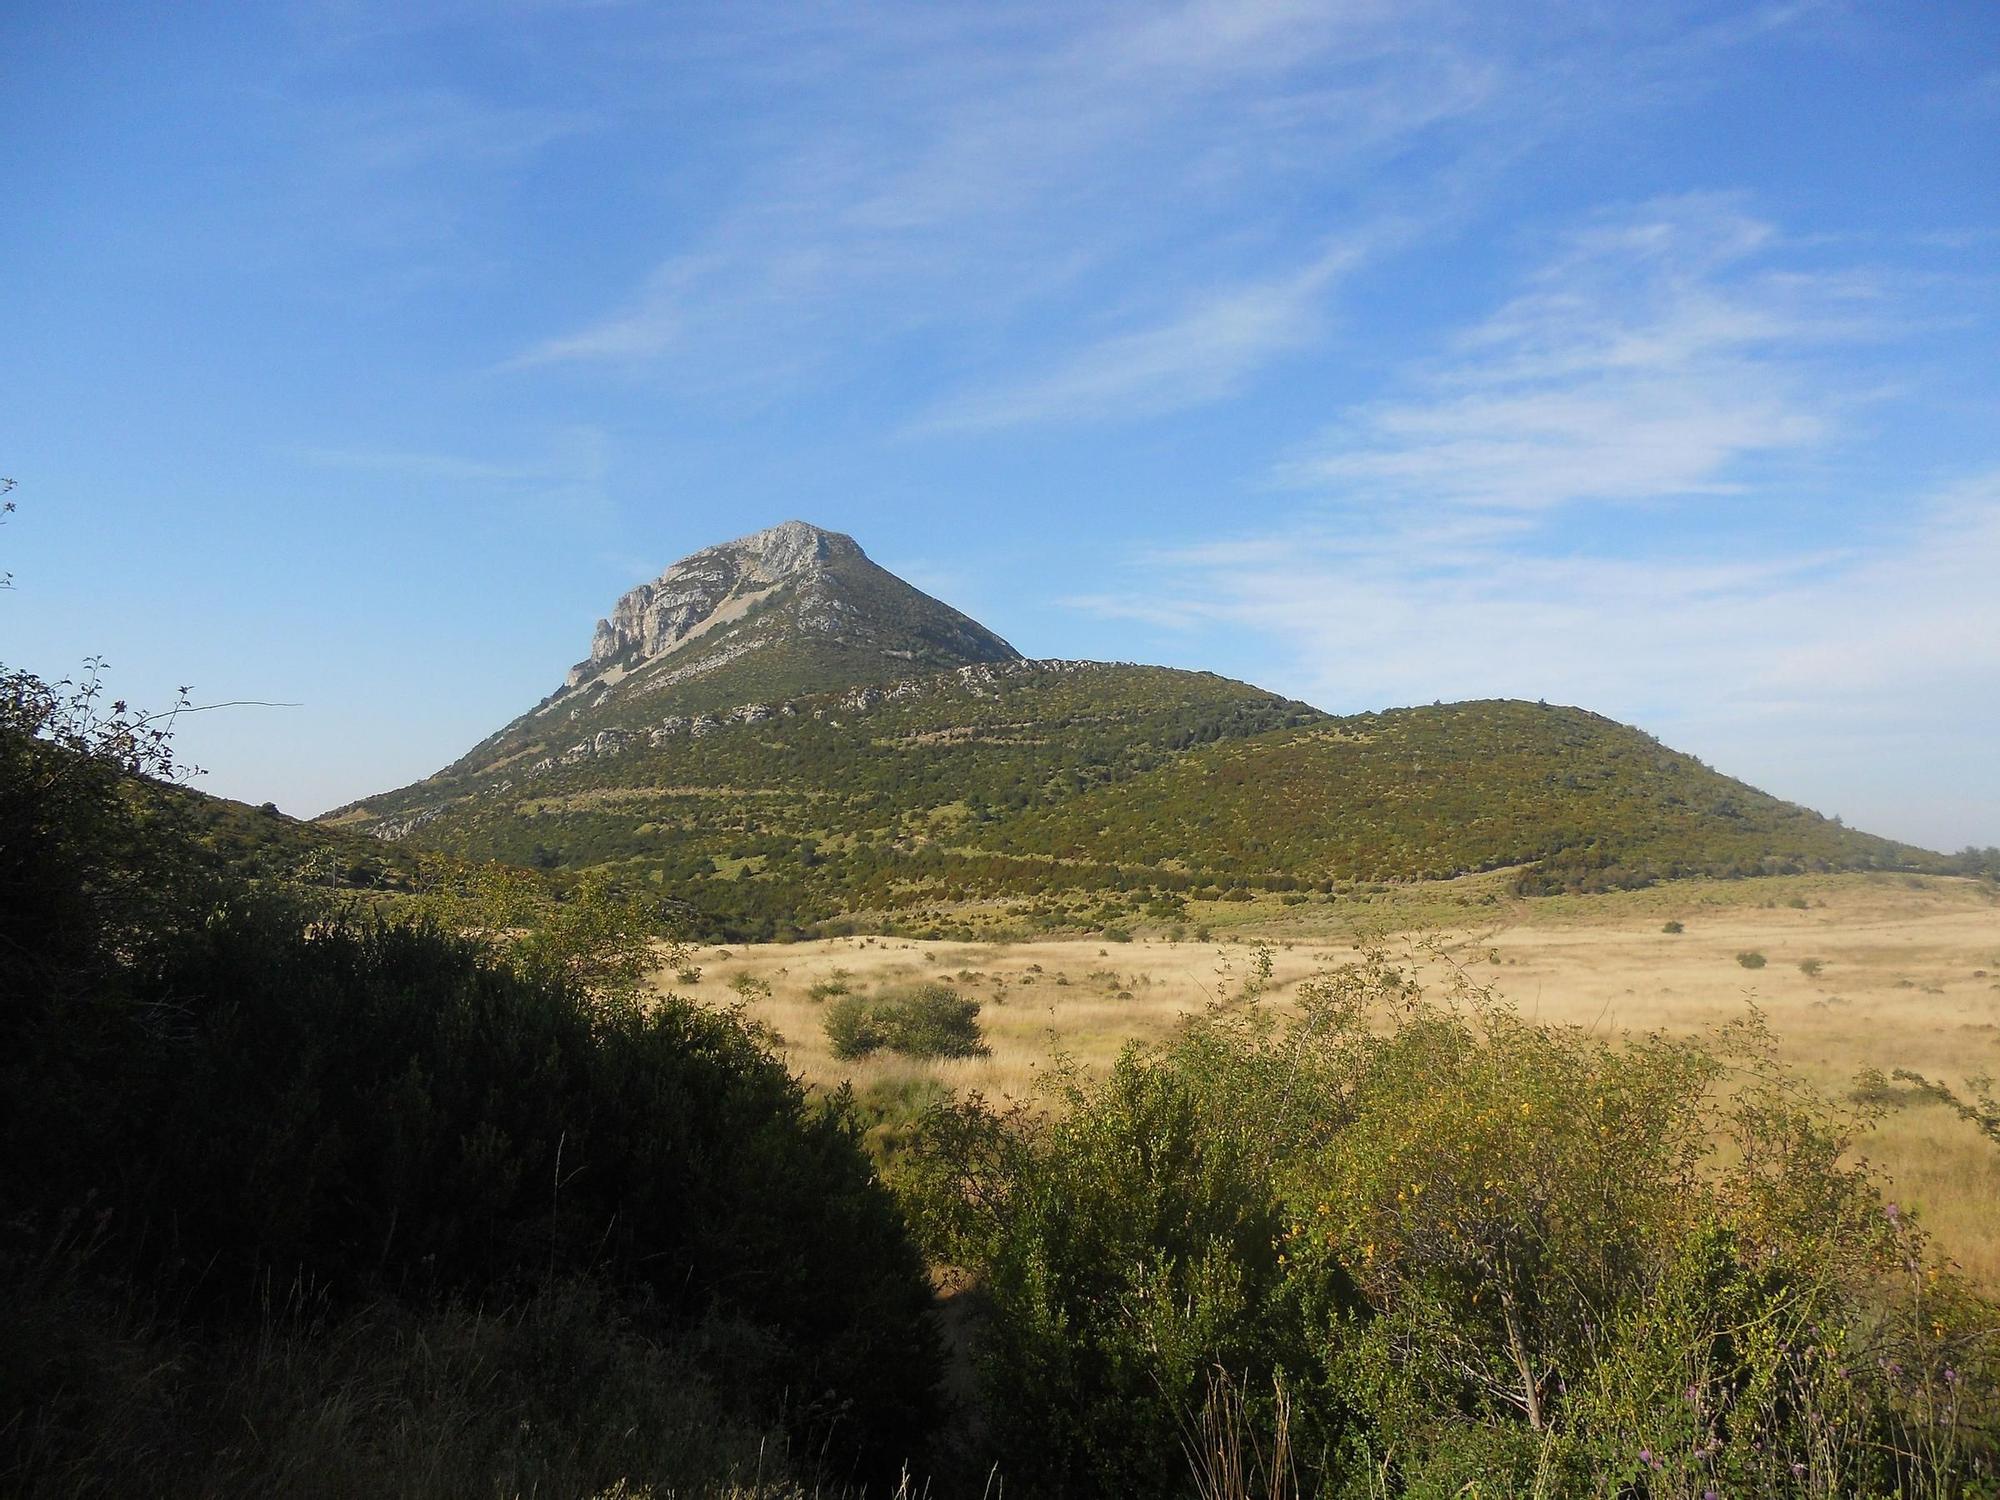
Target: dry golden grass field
pixel 1861 971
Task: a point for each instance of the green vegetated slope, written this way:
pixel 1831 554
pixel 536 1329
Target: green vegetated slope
pixel 261 843
pixel 857 800
pixel 782 733
pixel 1070 778
pixel 1429 793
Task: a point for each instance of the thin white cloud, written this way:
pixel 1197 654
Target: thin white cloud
pixel 1651 359
pixel 449 467
pixel 569 475
pixel 642 330
pixel 415 130
pixel 1206 350
pixel 952 182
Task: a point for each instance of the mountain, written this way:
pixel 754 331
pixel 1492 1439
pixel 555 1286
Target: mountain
pixel 784 733
pixel 783 612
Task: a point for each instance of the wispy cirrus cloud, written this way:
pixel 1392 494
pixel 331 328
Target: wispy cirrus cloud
pixel 994 188
pixel 412 464
pixel 1649 359
pixel 414 130
pixel 1205 350
pixel 1091 214
pixel 646 327
pixel 568 474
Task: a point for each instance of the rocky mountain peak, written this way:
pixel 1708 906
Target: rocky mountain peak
pixel 740 595
pixel 789 548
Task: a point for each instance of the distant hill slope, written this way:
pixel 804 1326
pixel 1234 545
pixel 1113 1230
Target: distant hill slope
pixel 858 799
pixel 261 843
pixel 784 733
pixel 1429 793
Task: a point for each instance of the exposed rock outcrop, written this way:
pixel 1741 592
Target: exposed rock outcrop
pixel 750 592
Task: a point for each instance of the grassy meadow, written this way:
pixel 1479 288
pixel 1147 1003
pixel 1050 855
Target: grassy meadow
pixel 1860 972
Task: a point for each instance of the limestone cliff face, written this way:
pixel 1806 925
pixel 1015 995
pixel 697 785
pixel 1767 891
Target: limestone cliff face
pixel 763 587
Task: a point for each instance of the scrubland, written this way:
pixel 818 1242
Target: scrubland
pixel 306 1194
pixel 1862 973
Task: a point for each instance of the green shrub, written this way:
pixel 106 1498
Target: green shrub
pixel 891 1112
pixel 1812 968
pixel 1751 959
pixel 211 1101
pixel 559 1394
pixel 928 1020
pixel 851 1027
pixel 1465 1253
pixel 377 1110
pixel 97 856
pixel 1673 927
pixel 213 1097
pixel 588 932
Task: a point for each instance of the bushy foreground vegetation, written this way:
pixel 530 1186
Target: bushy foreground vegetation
pixel 1461 1254
pixel 556 1394
pixel 278 1179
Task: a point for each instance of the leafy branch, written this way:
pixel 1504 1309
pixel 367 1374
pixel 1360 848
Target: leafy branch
pixel 1982 1110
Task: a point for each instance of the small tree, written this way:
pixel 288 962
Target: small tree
pixel 591 931
pixel 89 866
pixel 931 1020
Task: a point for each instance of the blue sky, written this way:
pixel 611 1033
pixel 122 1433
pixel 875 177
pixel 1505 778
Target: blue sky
pixel 1642 357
